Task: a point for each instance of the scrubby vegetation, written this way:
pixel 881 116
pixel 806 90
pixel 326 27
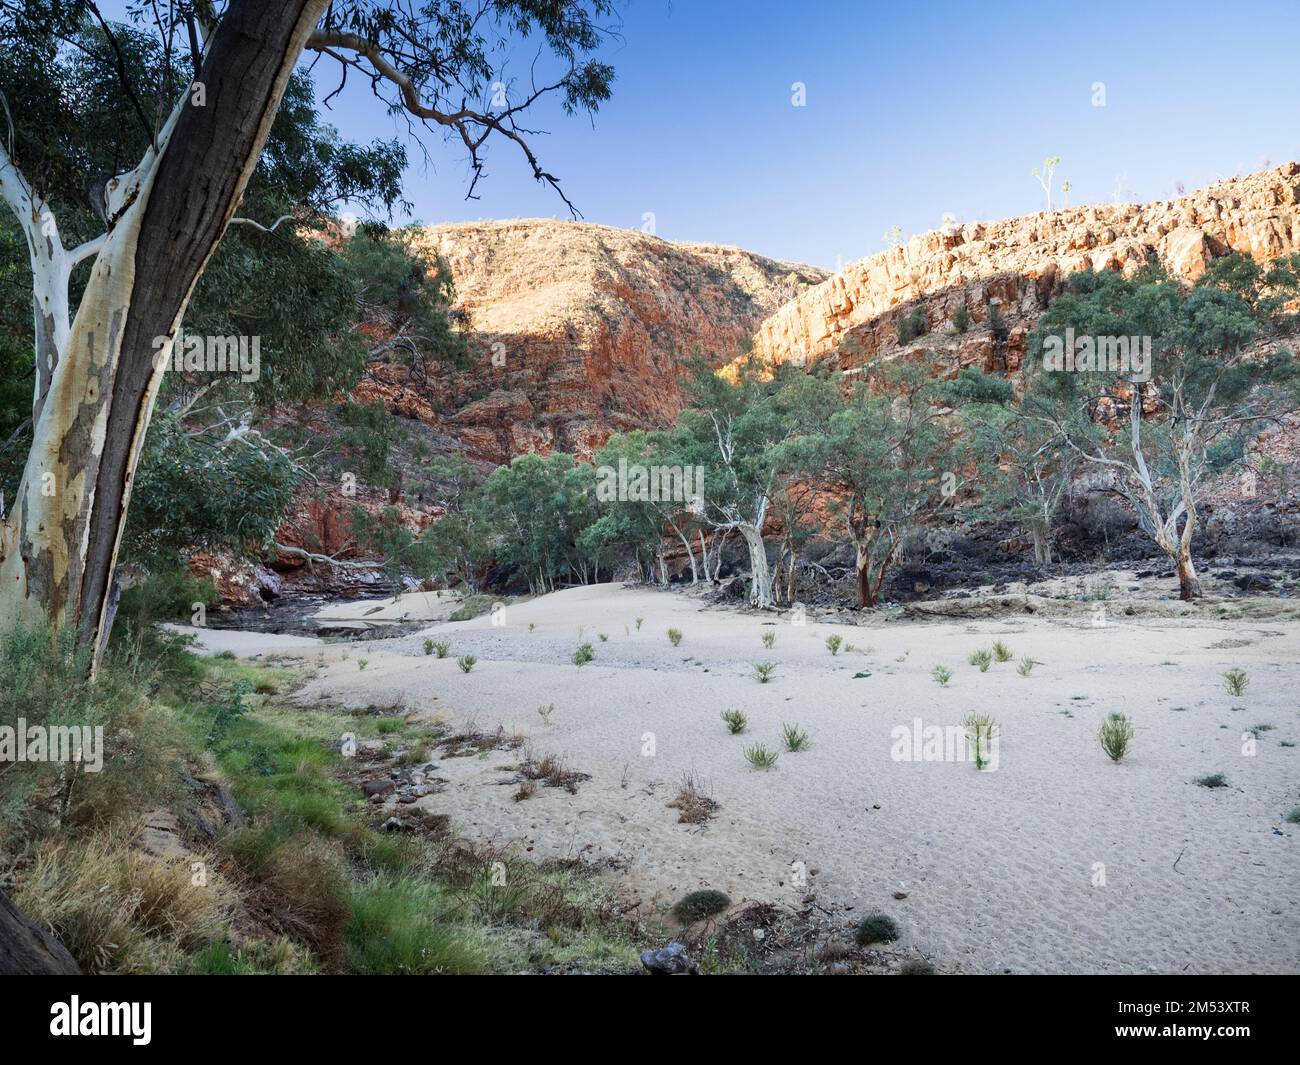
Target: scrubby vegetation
pixel 301 878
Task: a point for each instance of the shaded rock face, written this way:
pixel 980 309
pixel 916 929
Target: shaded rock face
pixel 26 949
pixel 1021 263
pixel 580 330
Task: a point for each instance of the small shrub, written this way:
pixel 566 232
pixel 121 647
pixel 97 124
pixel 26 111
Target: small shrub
pixel 1294 816
pixel 428 647
pixel 961 319
pixel 1212 780
pixel 916 967
pixel 584 654
pixel 760 757
pixel 769 638
pixel 603 637
pixel 700 904
pixel 638 624
pixel 942 675
pixel 675 636
pixel 875 928
pixel 834 642
pixel 545 712
pixel 981 658
pixel 441 648
pixel 466 663
pixel 1235 681
pixel 735 721
pixel 763 671
pixel 1115 734
pixel 527 789
pixel 1026 666
pixel 796 739
pixel 362 663
pixel 1001 652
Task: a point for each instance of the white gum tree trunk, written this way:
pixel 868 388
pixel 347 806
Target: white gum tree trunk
pixel 98 371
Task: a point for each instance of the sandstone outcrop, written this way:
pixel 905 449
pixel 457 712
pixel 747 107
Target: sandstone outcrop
pixel 1020 264
pixel 580 330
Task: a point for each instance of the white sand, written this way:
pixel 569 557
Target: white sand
pixel 407 607
pixel 998 866
pixel 245 644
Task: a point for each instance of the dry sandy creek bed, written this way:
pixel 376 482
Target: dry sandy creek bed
pixel 1053 860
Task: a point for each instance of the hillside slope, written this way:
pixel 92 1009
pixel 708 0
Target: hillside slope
pixel 579 330
pixel 1021 263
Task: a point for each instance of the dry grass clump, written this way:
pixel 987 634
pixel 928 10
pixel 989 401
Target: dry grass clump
pixel 118 909
pixel 551 771
pixel 694 801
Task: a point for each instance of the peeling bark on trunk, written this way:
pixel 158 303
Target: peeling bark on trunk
pixel 1189 584
pixel 760 592
pixel 59 547
pixel 1042 545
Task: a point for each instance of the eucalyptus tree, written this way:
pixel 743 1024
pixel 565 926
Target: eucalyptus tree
pixel 1215 368
pixel 740 429
pixel 145 232
pixel 891 463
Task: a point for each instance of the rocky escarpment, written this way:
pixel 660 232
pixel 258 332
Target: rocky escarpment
pixel 579 330
pixel 1020 264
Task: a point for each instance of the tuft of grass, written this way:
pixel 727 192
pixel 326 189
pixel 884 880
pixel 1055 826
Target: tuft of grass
pixel 604 638
pixel 362 663
pixel 466 663
pixel 700 904
pixel 735 721
pixel 428 647
pixel 545 712
pixel 675 636
pixel 584 654
pixel 763 671
pixel 981 730
pixel 796 739
pixel 981 658
pixel 942 675
pixel 1001 652
pixel 1026 666
pixel 1115 735
pixel 760 756
pixel 1293 817
pixel 875 928
pixel 638 623
pixel 527 789
pixel 1235 682
pixel 385 725
pixel 769 638
pixel 399 925
pixel 1212 780
pixel 834 642
pixel 441 648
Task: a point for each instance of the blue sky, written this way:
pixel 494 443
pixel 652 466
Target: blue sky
pixel 913 110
